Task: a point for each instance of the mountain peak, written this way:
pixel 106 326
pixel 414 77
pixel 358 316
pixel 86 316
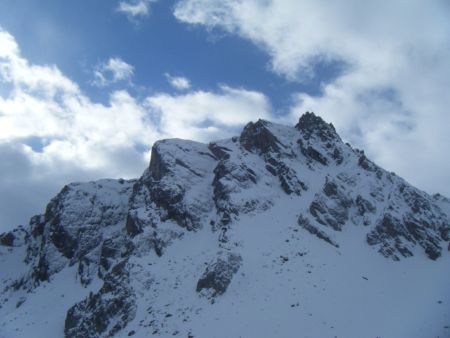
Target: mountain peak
pixel 311 124
pixel 257 136
pixel 279 206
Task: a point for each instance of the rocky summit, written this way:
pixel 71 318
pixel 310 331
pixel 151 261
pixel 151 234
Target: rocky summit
pixel 279 232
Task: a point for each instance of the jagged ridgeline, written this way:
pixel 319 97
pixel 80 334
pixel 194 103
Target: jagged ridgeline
pixel 177 237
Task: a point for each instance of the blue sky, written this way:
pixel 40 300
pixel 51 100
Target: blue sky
pixel 86 87
pixel 76 36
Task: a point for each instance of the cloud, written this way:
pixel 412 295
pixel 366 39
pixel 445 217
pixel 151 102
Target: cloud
pixel 178 82
pixel 135 8
pixel 51 133
pixel 19 73
pixel 203 115
pixel 113 71
pixel 391 97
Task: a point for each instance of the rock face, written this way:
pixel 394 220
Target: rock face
pixel 74 227
pixel 218 274
pixel 113 235
pixel 108 311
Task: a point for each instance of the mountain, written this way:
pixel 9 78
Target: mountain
pixel 280 232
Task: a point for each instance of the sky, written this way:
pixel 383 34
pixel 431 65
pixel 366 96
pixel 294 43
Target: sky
pixel 86 87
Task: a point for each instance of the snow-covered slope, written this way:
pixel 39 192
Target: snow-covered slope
pixel 280 232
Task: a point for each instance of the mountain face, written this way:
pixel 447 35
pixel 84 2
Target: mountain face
pixel 280 232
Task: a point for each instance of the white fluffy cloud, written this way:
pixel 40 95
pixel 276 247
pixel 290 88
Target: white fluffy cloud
pixel 178 82
pixel 51 133
pixel 204 115
pixel 392 95
pixel 113 71
pixel 135 8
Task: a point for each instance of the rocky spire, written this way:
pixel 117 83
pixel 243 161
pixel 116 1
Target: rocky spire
pixel 310 124
pixel 256 136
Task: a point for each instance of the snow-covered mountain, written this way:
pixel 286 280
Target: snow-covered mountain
pixel 280 232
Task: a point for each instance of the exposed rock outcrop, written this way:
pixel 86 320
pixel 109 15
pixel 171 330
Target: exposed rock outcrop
pixel 106 312
pixel 218 274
